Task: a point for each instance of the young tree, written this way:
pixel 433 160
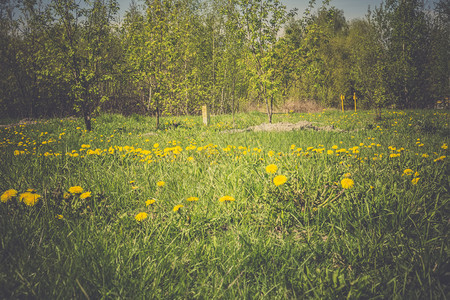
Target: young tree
pixel 82 36
pixel 261 21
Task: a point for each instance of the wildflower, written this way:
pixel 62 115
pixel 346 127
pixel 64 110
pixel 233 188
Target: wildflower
pixel 440 158
pixel 85 195
pixel 279 180
pixel 76 189
pixel 347 183
pixel 271 153
pixel 160 183
pixel 407 172
pixel 60 217
pixel 271 169
pixel 149 202
pixel 8 195
pixel 29 199
pixel 141 216
pixel 66 195
pixel 177 207
pixel 226 198
pixel 415 180
pixel 444 146
pixel 347 175
pixel 190 199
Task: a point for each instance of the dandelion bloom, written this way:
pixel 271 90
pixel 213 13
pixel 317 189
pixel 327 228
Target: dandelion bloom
pixel 279 180
pixel 415 180
pixel 177 207
pixel 141 216
pixel 408 172
pixel 192 199
pixel 347 175
pixel 149 202
pixel 271 169
pixel 85 195
pixel 160 183
pixel 60 217
pixel 8 195
pixel 347 183
pixel 29 199
pixel 76 189
pixel 226 198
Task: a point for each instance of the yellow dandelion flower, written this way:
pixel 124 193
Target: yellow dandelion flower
pixel 76 189
pixel 444 146
pixel 226 198
pixel 279 180
pixel 408 172
pixel 190 199
pixel 85 195
pixel 347 175
pixel 8 195
pixel 271 153
pixel 60 217
pixel 271 169
pixel 160 183
pixel 149 202
pixel 347 183
pixel 440 158
pixel 29 199
pixel 177 207
pixel 141 216
pixel 415 180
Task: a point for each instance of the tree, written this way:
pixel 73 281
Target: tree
pixel 82 36
pixel 261 21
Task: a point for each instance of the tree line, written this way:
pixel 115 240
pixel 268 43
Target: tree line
pixel 170 57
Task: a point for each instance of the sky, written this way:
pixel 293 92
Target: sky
pixel 352 8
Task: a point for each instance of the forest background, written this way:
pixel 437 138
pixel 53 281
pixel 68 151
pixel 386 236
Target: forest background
pixel 169 57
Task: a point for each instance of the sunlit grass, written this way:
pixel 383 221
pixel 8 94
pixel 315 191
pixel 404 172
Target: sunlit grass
pixel 199 211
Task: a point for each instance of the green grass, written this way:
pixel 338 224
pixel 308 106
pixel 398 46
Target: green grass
pixel 309 238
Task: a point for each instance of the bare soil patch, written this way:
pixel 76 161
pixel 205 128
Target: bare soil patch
pixel 284 126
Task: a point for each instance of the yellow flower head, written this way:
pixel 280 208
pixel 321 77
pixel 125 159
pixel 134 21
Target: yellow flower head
pixel 160 183
pixel 8 195
pixel 85 195
pixel 347 183
pixel 271 169
pixel 347 175
pixel 192 199
pixel 149 202
pixel 226 198
pixel 60 217
pixel 141 216
pixel 177 207
pixel 279 180
pixel 415 180
pixel 76 189
pixel 29 199
pixel 408 172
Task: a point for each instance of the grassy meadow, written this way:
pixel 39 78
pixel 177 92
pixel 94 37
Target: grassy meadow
pixel 193 211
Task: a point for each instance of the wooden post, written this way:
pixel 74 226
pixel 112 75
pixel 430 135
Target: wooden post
pixel 354 99
pixel 205 114
pixel 342 102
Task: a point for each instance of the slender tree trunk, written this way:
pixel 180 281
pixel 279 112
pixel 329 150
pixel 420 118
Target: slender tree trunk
pixel 232 101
